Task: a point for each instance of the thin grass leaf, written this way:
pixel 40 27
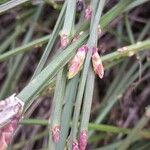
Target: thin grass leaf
pixel 11 4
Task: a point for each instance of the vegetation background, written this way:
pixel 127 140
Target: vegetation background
pixel 30 41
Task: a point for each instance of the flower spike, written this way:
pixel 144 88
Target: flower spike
pixel 77 62
pixel 97 63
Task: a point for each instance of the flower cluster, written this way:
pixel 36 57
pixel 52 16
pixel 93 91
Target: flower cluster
pixel 77 62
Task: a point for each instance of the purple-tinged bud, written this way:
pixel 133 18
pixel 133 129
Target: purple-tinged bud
pixel 97 63
pixel 63 40
pixel 88 13
pixel 75 146
pixel 83 140
pixel 56 134
pixel 77 62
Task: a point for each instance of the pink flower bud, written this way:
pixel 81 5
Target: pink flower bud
pixel 64 40
pixel 75 146
pixel 88 13
pixel 77 62
pixel 97 63
pixel 83 140
pixel 56 134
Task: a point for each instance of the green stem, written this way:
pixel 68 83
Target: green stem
pixel 57 104
pixel 91 126
pixel 19 61
pixel 68 26
pixel 51 42
pixel 11 4
pixel 24 48
pixel 69 99
pixel 11 37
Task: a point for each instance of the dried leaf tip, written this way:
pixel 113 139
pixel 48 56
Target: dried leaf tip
pixel 10 113
pixel 88 13
pixel 75 146
pixel 77 62
pixel 83 140
pixel 97 63
pixel 56 134
pixel 64 40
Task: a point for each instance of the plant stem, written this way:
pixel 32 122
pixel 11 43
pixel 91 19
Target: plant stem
pixel 11 4
pixel 69 99
pixel 51 42
pixel 132 135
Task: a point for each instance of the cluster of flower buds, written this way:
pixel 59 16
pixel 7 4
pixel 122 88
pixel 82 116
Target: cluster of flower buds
pixel 56 134
pixel 10 113
pixel 64 40
pixel 83 140
pixel 88 13
pixel 97 63
pixel 76 63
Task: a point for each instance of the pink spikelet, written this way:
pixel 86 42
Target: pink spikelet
pixel 75 146
pixel 10 114
pixel 83 140
pixel 77 62
pixel 88 13
pixel 97 63
pixel 56 134
pixel 64 40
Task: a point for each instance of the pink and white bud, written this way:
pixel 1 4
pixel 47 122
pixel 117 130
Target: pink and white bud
pixel 75 146
pixel 56 134
pixel 97 63
pixel 10 114
pixel 77 62
pixel 88 13
pixel 64 40
pixel 83 140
